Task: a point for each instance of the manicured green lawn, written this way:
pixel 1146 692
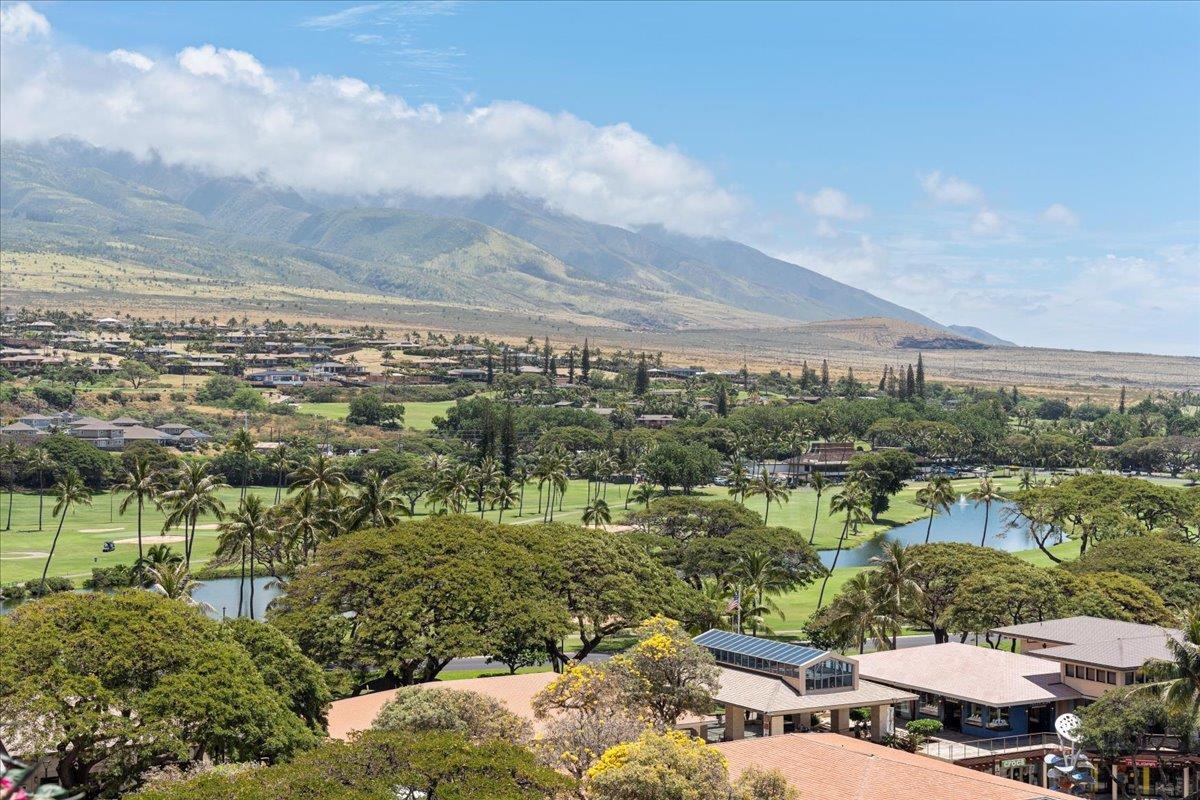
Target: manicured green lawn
pixel 334 411
pixel 23 548
pixel 418 416
pixel 493 670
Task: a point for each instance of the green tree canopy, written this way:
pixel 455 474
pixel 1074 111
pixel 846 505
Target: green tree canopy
pixel 117 684
pixel 385 765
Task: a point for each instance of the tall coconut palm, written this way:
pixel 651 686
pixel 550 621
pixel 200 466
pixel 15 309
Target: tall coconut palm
pixel 242 443
pixel 452 488
pixel 597 513
pixel 70 490
pixel 987 493
pixel 739 480
pixel 1177 680
pixel 377 503
pixel 195 493
pixel 319 475
pixel 503 493
pixel 771 488
pixel 12 458
pixel 761 578
pixel 896 584
pixel 818 483
pixel 482 478
pixel 157 555
pixel 240 534
pixel 281 462
pixel 39 461
pixel 852 501
pixel 854 615
pixel 140 484
pixel 937 494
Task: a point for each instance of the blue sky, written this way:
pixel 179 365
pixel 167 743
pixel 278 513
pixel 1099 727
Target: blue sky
pixel 1030 168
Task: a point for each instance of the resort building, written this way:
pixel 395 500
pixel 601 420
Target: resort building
pixel 770 688
pixel 976 691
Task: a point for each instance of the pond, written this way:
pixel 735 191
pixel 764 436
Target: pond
pixel 221 595
pixel 964 523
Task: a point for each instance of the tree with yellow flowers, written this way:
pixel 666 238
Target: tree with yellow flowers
pixel 661 766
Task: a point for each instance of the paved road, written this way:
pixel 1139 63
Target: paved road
pixel 481 663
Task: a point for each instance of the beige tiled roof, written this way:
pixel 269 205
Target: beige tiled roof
pixel 1119 654
pixel 514 691
pixel 828 766
pixel 975 674
pixel 775 696
pixel 1079 630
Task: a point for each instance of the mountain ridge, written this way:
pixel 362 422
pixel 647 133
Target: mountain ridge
pixel 496 251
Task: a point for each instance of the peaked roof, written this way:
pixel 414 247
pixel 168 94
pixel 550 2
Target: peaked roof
pixel 780 652
pixel 829 766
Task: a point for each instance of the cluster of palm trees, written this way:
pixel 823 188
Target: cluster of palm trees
pixel 744 596
pixel 875 603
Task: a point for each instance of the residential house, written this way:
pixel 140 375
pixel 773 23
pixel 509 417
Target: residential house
pixel 655 420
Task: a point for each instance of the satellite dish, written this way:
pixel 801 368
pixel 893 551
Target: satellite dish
pixel 1067 726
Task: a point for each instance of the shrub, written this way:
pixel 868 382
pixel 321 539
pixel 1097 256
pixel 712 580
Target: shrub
pixel 217 388
pixel 54 584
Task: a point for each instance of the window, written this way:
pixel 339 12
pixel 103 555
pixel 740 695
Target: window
pixel 829 674
pixel 998 719
pixel 1129 678
pixel 1070 670
pixel 929 704
pixel 1091 674
pixel 972 714
pixel 1110 678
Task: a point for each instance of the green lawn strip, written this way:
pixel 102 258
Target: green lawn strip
pixel 334 411
pixel 491 671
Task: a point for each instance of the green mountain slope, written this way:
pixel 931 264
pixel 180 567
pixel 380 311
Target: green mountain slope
pixel 495 252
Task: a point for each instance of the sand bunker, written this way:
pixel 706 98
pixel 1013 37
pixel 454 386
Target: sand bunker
pixel 18 555
pixel 148 538
pixel 101 530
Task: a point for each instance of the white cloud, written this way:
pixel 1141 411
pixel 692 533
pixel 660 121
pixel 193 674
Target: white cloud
pixel 20 22
pixel 832 203
pixel 951 190
pixel 132 59
pixel 222 110
pixel 1058 214
pixel 230 66
pixel 345 18
pixel 986 222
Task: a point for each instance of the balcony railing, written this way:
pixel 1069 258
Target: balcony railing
pixel 974 748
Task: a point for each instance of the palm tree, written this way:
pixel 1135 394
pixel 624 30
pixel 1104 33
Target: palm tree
pixel 504 493
pixel 1027 480
pixel 40 461
pixel 1177 681
pixel 643 494
pixel 195 494
pixel 11 457
pixel 853 501
pixel 240 534
pixel 818 482
pixel 773 490
pixel 377 503
pixel 157 555
pixel 896 584
pixel 760 577
pixel 70 491
pixel 482 478
pixel 938 493
pixel 987 493
pixel 140 483
pixel 854 614
pixel 452 488
pixel 597 513
pixel 242 443
pixel 739 480
pixel 174 581
pixel 280 460
pixel 319 475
